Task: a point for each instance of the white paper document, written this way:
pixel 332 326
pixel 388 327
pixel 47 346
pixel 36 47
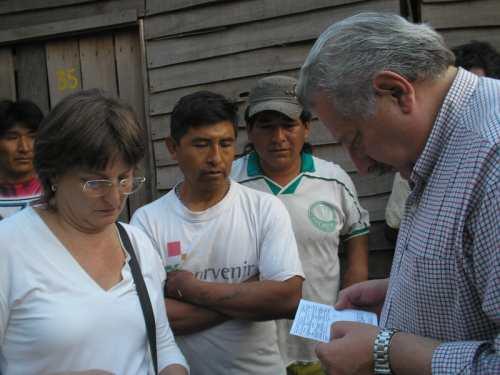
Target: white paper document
pixel 313 320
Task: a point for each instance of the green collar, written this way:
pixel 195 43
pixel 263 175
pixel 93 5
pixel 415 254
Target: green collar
pixel 254 169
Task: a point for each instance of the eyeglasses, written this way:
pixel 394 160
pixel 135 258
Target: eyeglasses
pixel 126 186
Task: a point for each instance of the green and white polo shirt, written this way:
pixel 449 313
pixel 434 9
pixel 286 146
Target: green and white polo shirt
pixel 324 209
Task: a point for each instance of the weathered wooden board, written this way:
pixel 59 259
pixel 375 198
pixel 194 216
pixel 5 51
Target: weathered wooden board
pixel 31 66
pixel 372 184
pixel 235 89
pixel 161 6
pixel 337 154
pixel 97 60
pixel 83 10
pixel 63 68
pixel 128 68
pixel 68 26
pixel 14 6
pixel 456 37
pixel 268 60
pixel 230 13
pixel 444 15
pixel 376 238
pixel 248 36
pixel 130 86
pixel 375 205
pixel 7 74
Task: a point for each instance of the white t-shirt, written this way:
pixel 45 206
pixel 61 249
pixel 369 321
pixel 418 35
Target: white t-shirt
pixel 10 205
pixel 54 317
pixel 324 209
pixel 246 233
pixel 395 208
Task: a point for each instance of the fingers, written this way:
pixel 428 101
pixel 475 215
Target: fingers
pixel 347 297
pixel 322 351
pixel 339 329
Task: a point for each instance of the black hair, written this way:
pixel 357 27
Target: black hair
pixel 478 55
pixel 201 108
pixel 23 113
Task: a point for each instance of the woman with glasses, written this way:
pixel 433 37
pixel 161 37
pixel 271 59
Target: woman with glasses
pixel 68 302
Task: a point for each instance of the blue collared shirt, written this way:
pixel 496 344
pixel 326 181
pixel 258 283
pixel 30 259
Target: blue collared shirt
pixel 445 278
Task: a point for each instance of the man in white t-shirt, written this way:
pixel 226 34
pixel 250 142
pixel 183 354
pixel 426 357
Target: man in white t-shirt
pixel 230 251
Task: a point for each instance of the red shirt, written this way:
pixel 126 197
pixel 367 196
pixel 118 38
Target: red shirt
pixel 29 188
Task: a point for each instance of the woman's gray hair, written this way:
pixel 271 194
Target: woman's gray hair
pixel 348 55
pixel 86 130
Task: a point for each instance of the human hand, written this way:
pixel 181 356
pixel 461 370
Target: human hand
pixel 350 351
pixel 368 295
pixel 179 283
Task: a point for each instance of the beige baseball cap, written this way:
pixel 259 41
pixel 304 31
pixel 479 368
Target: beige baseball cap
pixel 275 93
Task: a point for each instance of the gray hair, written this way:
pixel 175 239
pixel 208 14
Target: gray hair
pixel 347 56
pixel 86 130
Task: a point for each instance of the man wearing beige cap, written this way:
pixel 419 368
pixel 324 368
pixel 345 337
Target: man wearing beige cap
pixel 318 194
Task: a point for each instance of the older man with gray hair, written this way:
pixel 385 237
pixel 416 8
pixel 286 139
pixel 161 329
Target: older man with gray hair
pixel 387 89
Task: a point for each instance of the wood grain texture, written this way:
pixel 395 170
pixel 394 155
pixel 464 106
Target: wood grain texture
pixel 68 26
pixel 29 5
pixel 162 6
pixel 234 89
pixel 245 64
pixel 220 14
pixel 447 15
pixel 63 60
pixel 130 87
pixel 97 58
pixel 7 74
pixel 31 65
pixel 253 35
pixel 39 16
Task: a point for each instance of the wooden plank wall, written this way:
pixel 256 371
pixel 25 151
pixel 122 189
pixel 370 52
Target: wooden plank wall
pixel 226 46
pixel 461 21
pixel 22 20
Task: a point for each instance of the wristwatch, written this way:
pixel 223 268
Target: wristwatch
pixel 381 364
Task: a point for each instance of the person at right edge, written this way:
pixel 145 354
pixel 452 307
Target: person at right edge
pixel 477 57
pixel 388 90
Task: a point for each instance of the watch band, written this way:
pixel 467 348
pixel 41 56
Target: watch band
pixel 381 364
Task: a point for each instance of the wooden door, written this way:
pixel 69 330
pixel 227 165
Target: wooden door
pixel 46 72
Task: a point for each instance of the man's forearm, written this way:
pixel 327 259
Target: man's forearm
pixel 174 370
pixel 357 261
pixel 186 318
pixel 411 355
pixel 258 300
